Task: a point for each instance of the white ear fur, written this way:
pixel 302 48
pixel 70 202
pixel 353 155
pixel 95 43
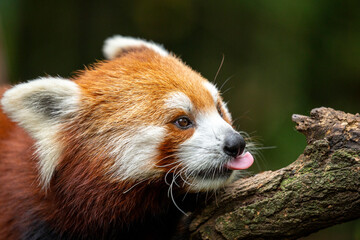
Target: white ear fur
pixel 115 45
pixel 40 106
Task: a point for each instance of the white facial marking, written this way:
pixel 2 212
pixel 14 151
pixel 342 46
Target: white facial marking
pixel 135 153
pixel 215 94
pixel 213 90
pixel 226 110
pixel 179 100
pixel 204 150
pixel 116 44
pixel 40 106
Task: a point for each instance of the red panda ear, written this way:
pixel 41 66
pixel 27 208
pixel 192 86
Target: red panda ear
pixel 117 45
pixel 40 107
pixel 40 100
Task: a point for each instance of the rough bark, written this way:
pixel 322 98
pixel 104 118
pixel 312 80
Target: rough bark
pixel 320 189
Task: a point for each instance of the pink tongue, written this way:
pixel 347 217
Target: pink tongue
pixel 241 162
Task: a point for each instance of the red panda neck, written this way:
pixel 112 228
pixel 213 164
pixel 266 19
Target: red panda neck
pixel 86 198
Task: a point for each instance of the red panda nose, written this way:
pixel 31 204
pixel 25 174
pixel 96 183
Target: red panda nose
pixel 234 144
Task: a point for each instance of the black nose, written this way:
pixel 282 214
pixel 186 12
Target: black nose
pixel 234 144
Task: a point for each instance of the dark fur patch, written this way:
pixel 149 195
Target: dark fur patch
pixel 39 230
pixel 45 103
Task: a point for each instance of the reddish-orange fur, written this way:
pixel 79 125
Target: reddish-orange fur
pixel 82 196
pixel 5 124
pixel 19 189
pixel 139 75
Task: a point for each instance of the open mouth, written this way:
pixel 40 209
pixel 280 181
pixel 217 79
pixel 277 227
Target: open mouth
pixel 241 162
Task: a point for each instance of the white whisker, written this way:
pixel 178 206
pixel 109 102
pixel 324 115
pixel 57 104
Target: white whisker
pixel 170 191
pixel 167 173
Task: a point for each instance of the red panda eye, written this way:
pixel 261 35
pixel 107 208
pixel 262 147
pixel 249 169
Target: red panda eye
pixel 183 123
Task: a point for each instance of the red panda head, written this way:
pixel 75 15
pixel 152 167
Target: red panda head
pixel 141 115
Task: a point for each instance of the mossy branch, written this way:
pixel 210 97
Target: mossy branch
pixel 320 189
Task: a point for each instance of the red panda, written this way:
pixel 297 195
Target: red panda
pixel 105 155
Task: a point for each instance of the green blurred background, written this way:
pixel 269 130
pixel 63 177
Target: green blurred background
pixel 280 57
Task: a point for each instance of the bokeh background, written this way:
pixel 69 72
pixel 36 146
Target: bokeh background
pixel 280 57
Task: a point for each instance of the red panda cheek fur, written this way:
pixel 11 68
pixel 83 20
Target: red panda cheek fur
pixel 97 198
pixel 167 159
pixel 85 202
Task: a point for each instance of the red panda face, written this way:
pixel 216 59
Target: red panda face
pixel 200 158
pixel 142 115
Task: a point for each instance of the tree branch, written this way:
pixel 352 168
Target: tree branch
pixel 320 189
